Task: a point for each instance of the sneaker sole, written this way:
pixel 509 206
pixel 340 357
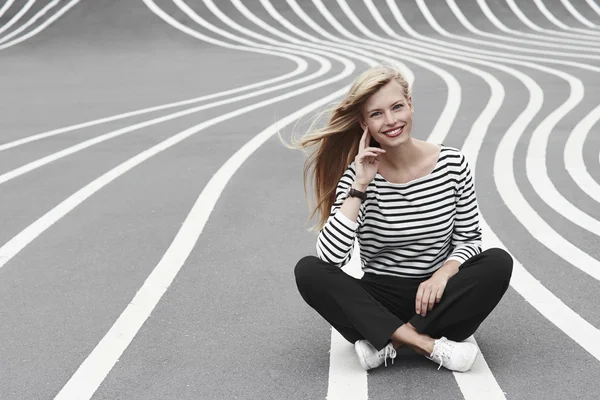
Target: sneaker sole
pixel 361 356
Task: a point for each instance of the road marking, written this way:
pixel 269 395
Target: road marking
pixel 325 67
pixel 40 27
pixel 5 7
pixel 16 17
pixel 573 155
pixel 98 364
pixel 301 67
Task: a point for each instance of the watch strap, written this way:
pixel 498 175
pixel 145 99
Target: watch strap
pixel 357 193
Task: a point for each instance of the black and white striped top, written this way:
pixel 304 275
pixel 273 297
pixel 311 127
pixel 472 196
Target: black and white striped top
pixel 407 229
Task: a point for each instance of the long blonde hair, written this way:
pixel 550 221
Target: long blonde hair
pixel 337 143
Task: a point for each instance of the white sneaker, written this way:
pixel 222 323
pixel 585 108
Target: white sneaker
pixel 455 356
pixel 369 357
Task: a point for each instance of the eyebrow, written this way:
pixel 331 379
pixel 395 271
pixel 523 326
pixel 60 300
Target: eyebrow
pixel 393 104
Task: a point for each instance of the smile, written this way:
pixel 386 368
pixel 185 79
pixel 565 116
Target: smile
pixel 395 132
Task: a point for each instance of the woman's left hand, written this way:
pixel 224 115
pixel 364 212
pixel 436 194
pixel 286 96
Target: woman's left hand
pixel 430 292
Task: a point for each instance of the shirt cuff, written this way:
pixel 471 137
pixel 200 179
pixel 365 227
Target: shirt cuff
pixel 347 222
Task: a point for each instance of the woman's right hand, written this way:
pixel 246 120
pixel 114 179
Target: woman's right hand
pixel 367 160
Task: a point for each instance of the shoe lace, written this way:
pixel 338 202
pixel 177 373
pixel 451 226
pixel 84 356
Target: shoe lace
pixel 442 350
pixel 388 352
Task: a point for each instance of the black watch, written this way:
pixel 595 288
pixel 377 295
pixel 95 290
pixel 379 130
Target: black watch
pixel 357 193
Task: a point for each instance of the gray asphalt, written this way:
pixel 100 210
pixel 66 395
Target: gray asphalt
pixel 232 325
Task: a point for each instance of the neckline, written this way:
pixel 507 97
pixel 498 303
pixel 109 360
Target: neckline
pixel 419 178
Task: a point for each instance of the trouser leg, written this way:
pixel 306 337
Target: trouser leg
pixel 342 301
pixel 469 297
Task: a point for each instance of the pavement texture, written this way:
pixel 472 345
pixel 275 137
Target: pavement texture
pixel 230 323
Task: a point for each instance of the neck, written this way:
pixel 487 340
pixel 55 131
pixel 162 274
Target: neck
pixel 404 155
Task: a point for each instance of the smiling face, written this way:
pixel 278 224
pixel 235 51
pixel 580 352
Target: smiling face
pixel 388 115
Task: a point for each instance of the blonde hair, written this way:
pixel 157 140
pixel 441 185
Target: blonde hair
pixel 337 143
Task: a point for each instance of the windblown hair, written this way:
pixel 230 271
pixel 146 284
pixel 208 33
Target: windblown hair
pixel 337 144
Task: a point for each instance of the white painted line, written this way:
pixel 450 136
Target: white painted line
pixel 542 43
pixel 301 67
pixel 577 14
pixel 98 364
pixel 325 67
pixel 593 6
pixel 573 154
pixel 479 382
pixel 15 17
pixel 548 14
pixel 34 19
pixel 4 8
pixel 347 379
pixel 498 24
pixel 438 28
pixel 546 303
pixel 537 172
pixel 17 243
pixel 523 18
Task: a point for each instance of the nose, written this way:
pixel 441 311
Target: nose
pixel 390 119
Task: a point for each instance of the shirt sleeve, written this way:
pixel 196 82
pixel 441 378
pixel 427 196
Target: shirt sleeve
pixel 466 237
pixel 336 239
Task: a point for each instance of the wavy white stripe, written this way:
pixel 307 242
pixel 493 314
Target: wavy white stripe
pixel 501 26
pixel 573 154
pixel 521 16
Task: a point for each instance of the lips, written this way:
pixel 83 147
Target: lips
pixel 394 132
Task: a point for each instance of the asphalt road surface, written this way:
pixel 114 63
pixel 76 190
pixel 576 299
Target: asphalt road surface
pixel 151 218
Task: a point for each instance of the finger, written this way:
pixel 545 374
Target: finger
pixel 364 141
pixel 418 300
pixel 432 298
pixel 439 294
pixel 425 302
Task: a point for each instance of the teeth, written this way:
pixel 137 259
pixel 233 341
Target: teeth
pixel 394 132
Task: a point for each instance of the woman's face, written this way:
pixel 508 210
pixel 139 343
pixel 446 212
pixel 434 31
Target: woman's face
pixel 388 114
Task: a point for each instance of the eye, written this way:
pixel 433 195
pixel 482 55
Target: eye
pixel 374 114
pixel 398 106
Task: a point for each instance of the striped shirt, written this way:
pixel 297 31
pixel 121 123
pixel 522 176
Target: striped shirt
pixel 407 229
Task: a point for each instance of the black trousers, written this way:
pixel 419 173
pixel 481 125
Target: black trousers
pixel 374 306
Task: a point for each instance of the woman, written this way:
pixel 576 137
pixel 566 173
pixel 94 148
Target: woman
pixel 412 206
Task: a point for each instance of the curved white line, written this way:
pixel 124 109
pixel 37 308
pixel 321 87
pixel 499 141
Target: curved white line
pixel 300 68
pixel 500 25
pixel 113 134
pixel 471 28
pixel 536 161
pixel 573 11
pixel 523 18
pixel 17 243
pixel 550 17
pixel 536 155
pixel 573 155
pixel 438 28
pixel 5 7
pixel 423 45
pixel 593 6
pixel 40 27
pixel 90 374
pixel 509 190
pixel 15 17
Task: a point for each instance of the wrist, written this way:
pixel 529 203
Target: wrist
pixel 359 186
pixel 449 269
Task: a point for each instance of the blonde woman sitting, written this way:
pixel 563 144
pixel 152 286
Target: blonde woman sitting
pixel 412 206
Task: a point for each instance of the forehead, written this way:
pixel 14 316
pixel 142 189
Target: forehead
pixel 389 94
